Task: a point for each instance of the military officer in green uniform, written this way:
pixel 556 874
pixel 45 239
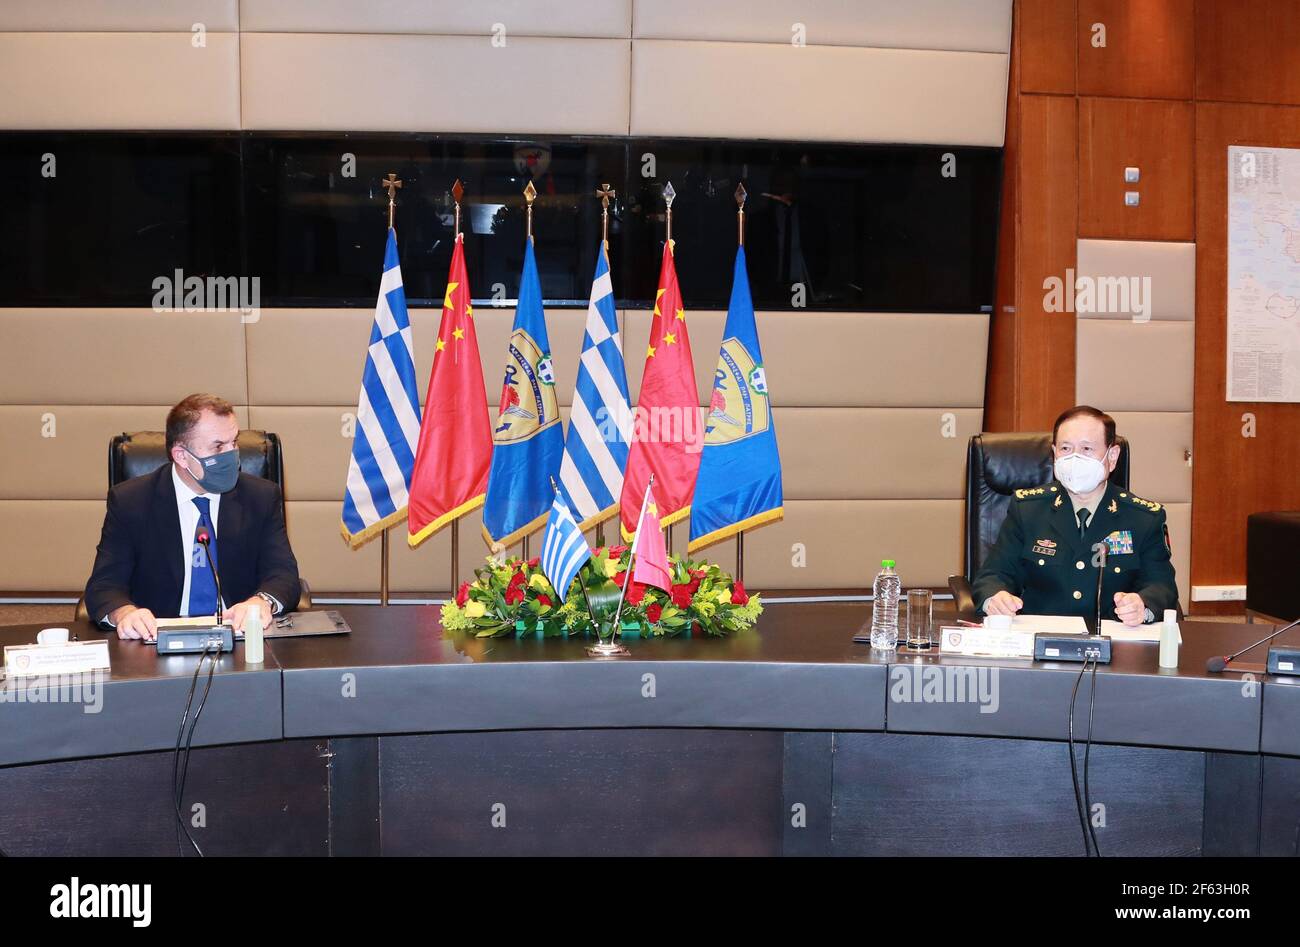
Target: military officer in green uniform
pixel 1045 559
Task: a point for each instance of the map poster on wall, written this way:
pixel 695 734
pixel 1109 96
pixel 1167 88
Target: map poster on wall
pixel 1263 274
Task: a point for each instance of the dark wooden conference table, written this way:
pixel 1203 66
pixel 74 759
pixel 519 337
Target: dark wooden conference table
pixel 403 739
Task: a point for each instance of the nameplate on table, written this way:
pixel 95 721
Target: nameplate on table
pixel 977 641
pixel 73 657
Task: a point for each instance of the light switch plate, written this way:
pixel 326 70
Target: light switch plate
pixel 1131 198
pixel 1131 175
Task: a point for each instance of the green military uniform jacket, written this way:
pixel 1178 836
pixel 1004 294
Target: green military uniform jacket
pixel 1039 556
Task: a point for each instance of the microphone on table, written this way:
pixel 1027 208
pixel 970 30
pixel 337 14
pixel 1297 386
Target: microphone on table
pixel 1102 549
pixel 204 539
pixel 1220 661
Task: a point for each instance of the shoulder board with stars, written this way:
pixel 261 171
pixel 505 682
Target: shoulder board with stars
pixel 1149 505
pixel 1031 492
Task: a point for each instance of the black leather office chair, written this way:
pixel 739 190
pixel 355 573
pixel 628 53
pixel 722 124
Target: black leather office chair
pixel 997 465
pixel 133 455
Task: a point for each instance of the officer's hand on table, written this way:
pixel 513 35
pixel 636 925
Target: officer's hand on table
pixel 1003 603
pixel 132 622
pixel 238 615
pixel 1129 608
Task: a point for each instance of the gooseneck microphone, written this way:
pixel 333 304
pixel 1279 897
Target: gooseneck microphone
pixel 203 538
pixel 1102 549
pixel 1220 661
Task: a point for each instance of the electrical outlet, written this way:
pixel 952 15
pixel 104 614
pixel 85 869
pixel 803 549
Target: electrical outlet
pixel 1218 593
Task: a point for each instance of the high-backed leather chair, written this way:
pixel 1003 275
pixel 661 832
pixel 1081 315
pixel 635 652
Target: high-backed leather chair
pixel 134 455
pixel 997 465
pixel 1272 564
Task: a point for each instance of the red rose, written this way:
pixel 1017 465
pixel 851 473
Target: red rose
pixel 544 600
pixel 617 551
pixel 619 578
pixel 516 580
pixel 462 596
pixel 738 594
pixel 532 563
pixel 600 550
pixel 693 585
pixel 635 592
pixel 653 612
pixel 682 595
pixel 514 595
pixel 699 573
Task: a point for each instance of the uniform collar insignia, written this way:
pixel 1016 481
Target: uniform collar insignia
pixel 1114 507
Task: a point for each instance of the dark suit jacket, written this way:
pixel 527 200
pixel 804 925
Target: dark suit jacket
pixel 139 559
pixel 1040 557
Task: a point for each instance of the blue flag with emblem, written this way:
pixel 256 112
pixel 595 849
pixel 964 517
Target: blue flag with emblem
pixel 527 439
pixel 564 548
pixel 739 483
pixel 388 415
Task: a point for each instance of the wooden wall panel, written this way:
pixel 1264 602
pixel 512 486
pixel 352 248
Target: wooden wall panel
pixel 1246 51
pixel 1000 380
pixel 1043 37
pixel 1048 170
pixel 1157 138
pixel 1149 49
pixel 1232 475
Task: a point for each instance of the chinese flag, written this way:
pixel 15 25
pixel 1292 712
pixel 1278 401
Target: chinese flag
pixel 651 555
pixel 455 450
pixel 668 432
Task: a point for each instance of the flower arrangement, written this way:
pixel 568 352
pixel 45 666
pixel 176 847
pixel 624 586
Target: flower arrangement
pixel 515 595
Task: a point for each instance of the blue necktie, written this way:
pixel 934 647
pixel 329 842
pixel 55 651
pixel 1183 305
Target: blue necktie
pixel 203 586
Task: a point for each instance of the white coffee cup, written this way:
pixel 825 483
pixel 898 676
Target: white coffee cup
pixel 52 636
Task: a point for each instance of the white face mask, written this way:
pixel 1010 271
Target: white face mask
pixel 1080 474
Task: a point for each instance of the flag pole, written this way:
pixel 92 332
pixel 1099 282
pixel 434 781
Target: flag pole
pixel 457 192
pixel 530 195
pixel 631 554
pixel 390 184
pixel 740 242
pixel 669 195
pixel 606 194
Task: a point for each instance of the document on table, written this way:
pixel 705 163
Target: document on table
pixel 1050 624
pixel 1119 631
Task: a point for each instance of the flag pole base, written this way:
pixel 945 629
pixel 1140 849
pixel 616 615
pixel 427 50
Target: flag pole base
pixel 607 649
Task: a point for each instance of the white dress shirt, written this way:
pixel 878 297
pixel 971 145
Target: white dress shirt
pixel 189 514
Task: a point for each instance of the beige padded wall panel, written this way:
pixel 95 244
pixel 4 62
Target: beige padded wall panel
pixel 875 453
pixel 129 81
pixel 295 81
pixel 973 25
pixel 1178 516
pixel 61 560
pixel 1171 268
pixel 1159 470
pixel 119 356
pixel 845 540
pixel 335 342
pixel 520 17
pixel 118 15
pixel 331 566
pixel 817 93
pixel 73 464
pixel 817 359
pixel 1135 366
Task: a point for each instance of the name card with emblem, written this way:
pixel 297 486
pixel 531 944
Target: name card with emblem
pixel 68 657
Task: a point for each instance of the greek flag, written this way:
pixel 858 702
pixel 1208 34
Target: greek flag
pixel 600 425
pixel 564 549
pixel 388 416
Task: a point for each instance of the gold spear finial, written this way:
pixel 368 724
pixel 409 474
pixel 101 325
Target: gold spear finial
pixel 391 184
pixel 530 195
pixel 606 194
pixel 457 192
pixel 669 195
pixel 741 194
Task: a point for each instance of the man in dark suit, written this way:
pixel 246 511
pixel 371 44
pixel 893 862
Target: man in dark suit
pixel 1045 559
pixel 150 562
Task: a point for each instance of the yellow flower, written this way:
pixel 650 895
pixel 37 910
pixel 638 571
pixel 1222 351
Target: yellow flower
pixel 538 581
pixel 475 609
pixel 611 568
pixel 722 596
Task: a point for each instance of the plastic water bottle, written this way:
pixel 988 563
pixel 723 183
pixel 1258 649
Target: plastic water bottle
pixel 884 610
